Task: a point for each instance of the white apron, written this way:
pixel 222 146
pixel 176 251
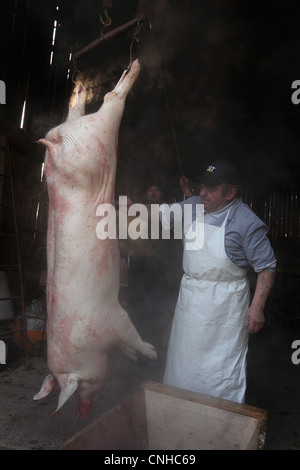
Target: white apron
pixel 209 341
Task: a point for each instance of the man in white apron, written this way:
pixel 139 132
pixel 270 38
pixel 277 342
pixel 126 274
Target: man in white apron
pixel 209 337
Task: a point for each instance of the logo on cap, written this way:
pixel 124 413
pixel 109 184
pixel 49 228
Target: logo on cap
pixel 211 168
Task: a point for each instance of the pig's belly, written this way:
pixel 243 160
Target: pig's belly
pixel 82 296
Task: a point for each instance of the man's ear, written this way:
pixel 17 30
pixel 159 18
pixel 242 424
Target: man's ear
pixel 231 193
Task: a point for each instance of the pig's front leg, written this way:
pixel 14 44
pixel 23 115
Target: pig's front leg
pixel 129 340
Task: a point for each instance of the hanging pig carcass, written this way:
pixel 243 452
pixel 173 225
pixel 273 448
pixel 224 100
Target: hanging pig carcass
pixel 84 317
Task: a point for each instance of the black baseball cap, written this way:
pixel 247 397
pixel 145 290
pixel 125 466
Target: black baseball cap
pixel 219 172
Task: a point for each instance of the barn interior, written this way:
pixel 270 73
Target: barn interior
pixel 217 81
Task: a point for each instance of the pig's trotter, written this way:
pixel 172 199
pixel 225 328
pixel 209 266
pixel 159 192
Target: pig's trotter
pixel 127 79
pixel 148 350
pixel 47 387
pixel 144 348
pixel 129 340
pixel 69 383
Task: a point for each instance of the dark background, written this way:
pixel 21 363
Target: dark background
pixel 215 83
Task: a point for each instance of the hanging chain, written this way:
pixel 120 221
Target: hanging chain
pixel 75 69
pixel 135 39
pixel 166 101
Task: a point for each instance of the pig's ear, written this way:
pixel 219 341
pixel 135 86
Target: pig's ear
pixel 46 143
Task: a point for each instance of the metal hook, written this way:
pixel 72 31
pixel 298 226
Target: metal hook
pixel 107 21
pixel 136 38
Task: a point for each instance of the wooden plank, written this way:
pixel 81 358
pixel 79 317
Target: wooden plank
pixel 106 37
pixel 178 420
pixel 205 399
pixel 165 418
pixel 120 428
pixel 178 424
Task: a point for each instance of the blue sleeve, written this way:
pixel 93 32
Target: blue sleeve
pixel 257 248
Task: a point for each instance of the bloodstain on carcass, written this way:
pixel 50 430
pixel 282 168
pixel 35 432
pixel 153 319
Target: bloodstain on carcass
pixel 84 317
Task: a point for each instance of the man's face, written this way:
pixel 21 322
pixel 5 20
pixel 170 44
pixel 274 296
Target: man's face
pixel 153 195
pixel 214 198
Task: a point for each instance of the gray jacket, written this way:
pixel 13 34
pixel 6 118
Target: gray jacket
pixel 246 240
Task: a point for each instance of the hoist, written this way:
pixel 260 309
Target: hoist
pixel 105 35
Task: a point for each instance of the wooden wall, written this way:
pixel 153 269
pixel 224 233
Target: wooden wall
pixel 21 157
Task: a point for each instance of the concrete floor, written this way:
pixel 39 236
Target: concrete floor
pixel 273 384
pixel 27 424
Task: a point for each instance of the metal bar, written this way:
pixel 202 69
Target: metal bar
pixel 8 265
pixel 106 37
pixel 8 332
pixel 4 266
pixel 10 298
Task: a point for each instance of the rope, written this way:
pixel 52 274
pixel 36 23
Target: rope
pixel 167 104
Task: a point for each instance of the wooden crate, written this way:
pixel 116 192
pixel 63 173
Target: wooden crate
pixel 159 417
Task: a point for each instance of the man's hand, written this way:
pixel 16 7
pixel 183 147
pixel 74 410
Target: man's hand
pixel 255 318
pixel 184 184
